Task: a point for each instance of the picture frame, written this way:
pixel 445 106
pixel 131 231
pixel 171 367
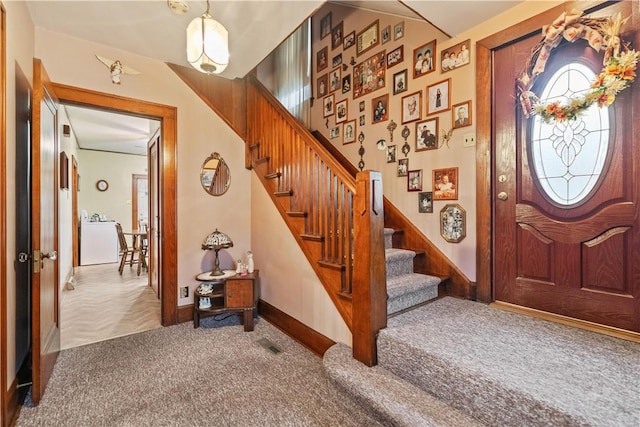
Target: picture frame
pixel 322 60
pixel 325 26
pixel 455 56
pixel 335 79
pixel 322 85
pixel 411 107
pixel 445 184
pixel 391 153
pixel 385 35
pixel 453 223
pixel 363 120
pixel 370 75
pixel 336 36
pixel 368 38
pixel 349 40
pixel 414 180
pixel 395 57
pixel 403 167
pixel 334 132
pixel 328 106
pixel 64 171
pixel 350 132
pixel 439 97
pixel 425 202
pixel 427 134
pixel 341 111
pixel 361 106
pixel 380 109
pixel 461 115
pixel 398 30
pixel 346 83
pixel 424 59
pixel 337 60
pixel 400 81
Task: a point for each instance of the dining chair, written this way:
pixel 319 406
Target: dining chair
pixel 127 251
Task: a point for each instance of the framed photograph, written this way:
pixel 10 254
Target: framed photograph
pixel 403 166
pixel 349 40
pixel 328 106
pixel 321 59
pixel 321 89
pixel 461 114
pixel 427 134
pixel 414 180
pixel 361 106
pixel 350 131
pixel 411 107
pixel 425 202
pixel 362 120
pixel 346 83
pixel 370 75
pixel 341 111
pixel 335 79
pixel 453 223
pixel 379 108
pixel 395 57
pixel 398 30
pixel 386 34
pixel 367 38
pixel 336 36
pixel 424 59
pixel 445 184
pixel 400 82
pixel 334 132
pixel 456 56
pixel 438 97
pixel 337 60
pixel 391 153
pixel 325 26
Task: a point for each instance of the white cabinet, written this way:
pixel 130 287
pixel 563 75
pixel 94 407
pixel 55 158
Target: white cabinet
pixel 98 243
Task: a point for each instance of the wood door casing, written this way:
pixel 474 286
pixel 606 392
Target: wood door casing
pixel 577 261
pixel 155 273
pixel 44 226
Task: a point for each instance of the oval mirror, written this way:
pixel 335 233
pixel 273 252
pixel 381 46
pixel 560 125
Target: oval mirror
pixel 214 175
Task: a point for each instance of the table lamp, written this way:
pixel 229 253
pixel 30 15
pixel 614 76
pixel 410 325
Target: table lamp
pixel 216 241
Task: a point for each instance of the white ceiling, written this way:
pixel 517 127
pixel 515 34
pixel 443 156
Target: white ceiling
pixel 149 28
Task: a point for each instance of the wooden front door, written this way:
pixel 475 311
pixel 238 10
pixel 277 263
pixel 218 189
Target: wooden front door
pixel 44 207
pixel 567 223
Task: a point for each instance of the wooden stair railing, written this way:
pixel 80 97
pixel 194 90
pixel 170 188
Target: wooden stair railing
pixel 328 212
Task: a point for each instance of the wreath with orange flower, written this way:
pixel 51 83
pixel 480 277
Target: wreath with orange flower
pixel 619 71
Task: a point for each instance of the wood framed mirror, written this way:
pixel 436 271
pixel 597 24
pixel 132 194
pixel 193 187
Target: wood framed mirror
pixel 214 175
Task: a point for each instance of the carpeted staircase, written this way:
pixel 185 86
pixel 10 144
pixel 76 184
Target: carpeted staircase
pixel 454 362
pixel 405 289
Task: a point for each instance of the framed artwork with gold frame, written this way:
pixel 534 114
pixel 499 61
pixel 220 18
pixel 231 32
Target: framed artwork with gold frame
pixel 453 223
pixel 368 38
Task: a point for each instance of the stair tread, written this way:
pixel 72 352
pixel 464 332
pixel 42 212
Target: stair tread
pixel 411 281
pixel 398 252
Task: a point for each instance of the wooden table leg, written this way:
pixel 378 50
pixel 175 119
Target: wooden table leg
pixel 247 317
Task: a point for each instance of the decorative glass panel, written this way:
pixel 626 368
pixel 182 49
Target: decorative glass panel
pixel 568 157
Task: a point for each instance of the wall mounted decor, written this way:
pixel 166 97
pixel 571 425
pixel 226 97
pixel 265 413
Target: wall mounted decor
pixel 453 223
pixel 395 57
pixel 346 83
pixel 406 148
pixel 412 107
pixel 370 75
pixel 398 30
pixel 379 107
pixel 350 130
pixel 414 180
pixel 391 127
pixel 64 171
pixel 102 185
pixel 403 166
pixel 381 145
pixel 425 202
pixel 361 151
pixel 391 154
pixel 427 134
pixel 456 56
pixel 336 36
pixel 367 38
pixel 322 86
pixel 461 115
pixel 335 79
pixel 341 111
pixel 362 120
pixel 337 60
pixel 349 40
pixel 386 34
pixel 424 59
pixel 400 82
pixel 334 132
pixel 214 175
pixel 322 60
pixel 325 26
pixel 445 184
pixel 439 97
pixel 328 106
pixel 361 106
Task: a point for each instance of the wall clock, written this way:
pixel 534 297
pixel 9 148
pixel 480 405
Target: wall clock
pixel 102 185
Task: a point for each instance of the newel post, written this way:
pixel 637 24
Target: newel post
pixel 369 295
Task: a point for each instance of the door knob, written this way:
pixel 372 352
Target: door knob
pixel 53 255
pixel 502 196
pixel 502 178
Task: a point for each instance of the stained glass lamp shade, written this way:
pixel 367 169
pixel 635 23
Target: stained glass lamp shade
pixel 216 241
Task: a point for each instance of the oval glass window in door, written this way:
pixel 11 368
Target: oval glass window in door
pixel 568 157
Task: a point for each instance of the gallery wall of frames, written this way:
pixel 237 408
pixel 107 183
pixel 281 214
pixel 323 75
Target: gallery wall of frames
pixel 402 87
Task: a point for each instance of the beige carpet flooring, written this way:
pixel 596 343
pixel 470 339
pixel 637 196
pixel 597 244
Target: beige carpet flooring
pixel 106 305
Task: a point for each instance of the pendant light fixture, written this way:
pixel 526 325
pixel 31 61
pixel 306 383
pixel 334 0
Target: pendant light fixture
pixel 207 44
